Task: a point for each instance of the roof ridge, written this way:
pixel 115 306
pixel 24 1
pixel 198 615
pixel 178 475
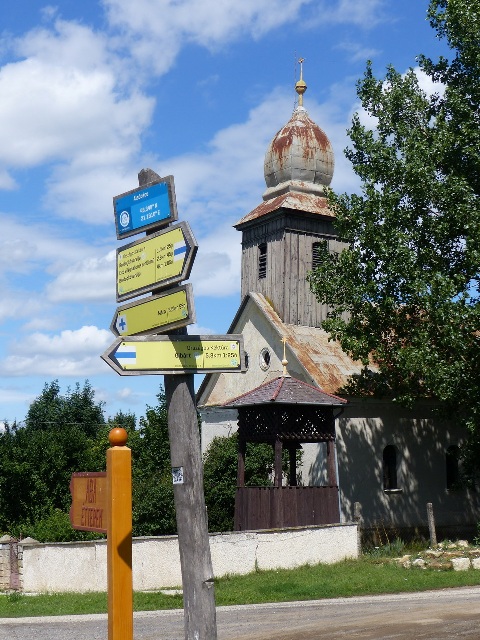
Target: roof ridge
pixel 279 388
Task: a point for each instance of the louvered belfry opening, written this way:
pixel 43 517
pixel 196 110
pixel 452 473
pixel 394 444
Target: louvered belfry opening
pixel 286 413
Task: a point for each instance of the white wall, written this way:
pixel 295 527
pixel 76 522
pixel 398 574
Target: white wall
pixel 82 566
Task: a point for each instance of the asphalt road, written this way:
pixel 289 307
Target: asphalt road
pixel 435 615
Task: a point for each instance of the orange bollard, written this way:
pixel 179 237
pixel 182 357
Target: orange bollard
pixel 119 537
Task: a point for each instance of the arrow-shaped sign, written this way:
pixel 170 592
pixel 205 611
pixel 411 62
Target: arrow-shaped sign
pixel 163 259
pixel 176 354
pixel 155 314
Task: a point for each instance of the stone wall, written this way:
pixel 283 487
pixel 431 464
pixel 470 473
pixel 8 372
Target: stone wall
pixel 82 566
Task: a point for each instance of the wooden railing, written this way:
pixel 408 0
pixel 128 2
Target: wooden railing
pixel 279 507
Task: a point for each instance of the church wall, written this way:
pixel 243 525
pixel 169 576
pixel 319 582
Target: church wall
pixel 421 441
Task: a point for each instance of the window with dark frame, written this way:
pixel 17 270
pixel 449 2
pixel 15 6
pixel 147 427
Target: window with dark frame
pixel 262 260
pixel 390 468
pixel 452 467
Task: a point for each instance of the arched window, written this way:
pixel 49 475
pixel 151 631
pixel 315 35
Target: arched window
pixel 452 467
pixel 262 260
pixel 390 467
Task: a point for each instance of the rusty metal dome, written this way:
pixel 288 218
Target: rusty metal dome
pixel 299 153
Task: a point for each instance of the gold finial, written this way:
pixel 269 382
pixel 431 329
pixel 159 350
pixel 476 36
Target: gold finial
pixel 301 85
pixel 285 361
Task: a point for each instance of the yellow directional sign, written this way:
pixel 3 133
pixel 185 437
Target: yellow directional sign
pixel 155 314
pixel 176 354
pixel 162 259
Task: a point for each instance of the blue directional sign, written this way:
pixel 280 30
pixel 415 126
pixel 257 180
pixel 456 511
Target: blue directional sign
pixel 149 207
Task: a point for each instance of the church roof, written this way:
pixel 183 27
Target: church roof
pixel 294 200
pixel 323 360
pixel 300 151
pixel 285 390
pixel 298 165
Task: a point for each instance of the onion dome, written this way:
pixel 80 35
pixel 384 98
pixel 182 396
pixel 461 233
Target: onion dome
pixel 300 156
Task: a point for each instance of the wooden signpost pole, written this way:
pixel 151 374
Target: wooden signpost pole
pixel 119 537
pixel 187 472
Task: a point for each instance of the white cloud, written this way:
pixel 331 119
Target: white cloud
pixel 70 353
pixel 366 14
pixel 226 181
pixel 84 114
pixel 198 330
pixel 357 52
pixel 216 270
pixel 91 279
pixel 426 83
pixel 39 248
pixel 156 30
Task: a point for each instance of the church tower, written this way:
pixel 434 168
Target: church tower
pixel 281 237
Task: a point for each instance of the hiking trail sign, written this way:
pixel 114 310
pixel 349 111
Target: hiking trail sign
pixel 162 354
pixel 145 208
pixel 154 314
pixel 156 262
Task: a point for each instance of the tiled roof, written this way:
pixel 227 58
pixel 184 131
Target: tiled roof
pixel 285 390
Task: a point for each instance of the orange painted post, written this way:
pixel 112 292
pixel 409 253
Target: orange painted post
pixel 119 537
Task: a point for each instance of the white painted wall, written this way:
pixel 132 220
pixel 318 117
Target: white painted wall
pixel 82 566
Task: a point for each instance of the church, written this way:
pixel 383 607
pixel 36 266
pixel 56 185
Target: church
pixel 362 458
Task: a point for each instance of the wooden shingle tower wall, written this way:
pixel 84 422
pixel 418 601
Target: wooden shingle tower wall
pixel 280 236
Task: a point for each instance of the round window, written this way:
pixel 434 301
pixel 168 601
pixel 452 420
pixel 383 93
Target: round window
pixel 264 359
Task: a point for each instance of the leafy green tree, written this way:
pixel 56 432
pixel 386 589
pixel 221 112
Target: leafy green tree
pixel 220 477
pixel 37 459
pixel 153 504
pixel 406 290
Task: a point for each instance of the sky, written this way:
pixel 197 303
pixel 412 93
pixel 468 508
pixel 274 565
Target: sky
pixel 94 91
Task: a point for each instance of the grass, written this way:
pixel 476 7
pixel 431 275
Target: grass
pixel 367 576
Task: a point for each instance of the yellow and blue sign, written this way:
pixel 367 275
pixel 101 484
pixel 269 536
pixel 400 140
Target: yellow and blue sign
pixel 161 354
pixel 156 262
pixel 155 314
pixel 145 208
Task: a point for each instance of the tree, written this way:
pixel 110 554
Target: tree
pixel 406 290
pixel 220 477
pixel 37 459
pixel 153 505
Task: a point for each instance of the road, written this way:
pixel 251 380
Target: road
pixel 435 615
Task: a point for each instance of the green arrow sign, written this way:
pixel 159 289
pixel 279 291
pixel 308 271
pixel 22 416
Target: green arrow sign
pixel 163 259
pixel 155 314
pixel 176 354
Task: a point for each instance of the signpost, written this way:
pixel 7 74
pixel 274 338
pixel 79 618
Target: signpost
pixel 153 314
pixel 153 264
pixel 163 259
pixel 176 354
pixel 102 502
pixel 148 207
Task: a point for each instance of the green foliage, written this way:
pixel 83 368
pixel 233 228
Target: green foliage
pixel 37 460
pixel 389 550
pixel 406 291
pixel 153 505
pixel 220 477
pixel 67 433
pixel 55 527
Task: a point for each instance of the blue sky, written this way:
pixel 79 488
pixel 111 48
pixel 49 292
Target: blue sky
pixel 93 91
